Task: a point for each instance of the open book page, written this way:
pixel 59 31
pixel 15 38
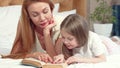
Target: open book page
pixel 38 63
pixel 32 62
pixel 62 65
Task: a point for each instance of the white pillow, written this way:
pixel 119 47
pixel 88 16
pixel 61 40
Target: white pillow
pixel 60 16
pixel 56 8
pixel 8 19
pixel 66 13
pixel 5 51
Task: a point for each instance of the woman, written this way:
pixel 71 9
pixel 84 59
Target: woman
pixel 86 46
pixel 35 34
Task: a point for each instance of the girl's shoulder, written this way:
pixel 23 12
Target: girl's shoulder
pixel 93 34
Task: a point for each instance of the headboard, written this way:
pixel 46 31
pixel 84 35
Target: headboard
pixel 65 5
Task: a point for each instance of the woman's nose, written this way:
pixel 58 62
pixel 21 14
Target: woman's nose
pixel 41 17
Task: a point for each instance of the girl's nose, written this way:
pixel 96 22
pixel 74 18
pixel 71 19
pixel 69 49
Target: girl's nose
pixel 65 41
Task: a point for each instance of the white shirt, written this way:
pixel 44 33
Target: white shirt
pixel 94 47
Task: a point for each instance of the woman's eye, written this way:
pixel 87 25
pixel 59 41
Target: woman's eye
pixel 35 15
pixel 45 11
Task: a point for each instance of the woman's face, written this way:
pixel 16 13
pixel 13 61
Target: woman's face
pixel 69 40
pixel 40 14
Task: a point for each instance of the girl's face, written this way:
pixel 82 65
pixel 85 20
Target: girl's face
pixel 69 40
pixel 40 14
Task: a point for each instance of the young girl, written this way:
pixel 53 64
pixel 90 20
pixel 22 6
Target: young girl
pixel 85 45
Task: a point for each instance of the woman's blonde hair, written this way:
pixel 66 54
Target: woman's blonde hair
pixel 28 34
pixel 25 32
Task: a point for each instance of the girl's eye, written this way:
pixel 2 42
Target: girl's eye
pixel 63 38
pixel 70 39
pixel 67 39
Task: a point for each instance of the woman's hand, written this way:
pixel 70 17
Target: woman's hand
pixel 48 28
pixel 59 59
pixel 40 56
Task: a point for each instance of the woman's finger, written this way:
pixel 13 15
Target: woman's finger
pixel 39 58
pixel 50 59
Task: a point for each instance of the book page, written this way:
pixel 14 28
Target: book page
pixel 38 63
pixel 48 65
pixel 32 62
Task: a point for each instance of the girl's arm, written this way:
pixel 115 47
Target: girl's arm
pixel 74 59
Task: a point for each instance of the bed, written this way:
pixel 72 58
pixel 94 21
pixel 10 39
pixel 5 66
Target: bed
pixel 112 62
pixel 10 12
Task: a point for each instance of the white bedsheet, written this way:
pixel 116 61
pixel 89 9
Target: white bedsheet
pixel 113 61
pixel 11 63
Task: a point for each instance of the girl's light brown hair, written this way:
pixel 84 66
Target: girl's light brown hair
pixel 77 26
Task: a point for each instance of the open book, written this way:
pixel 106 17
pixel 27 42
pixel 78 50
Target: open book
pixel 38 63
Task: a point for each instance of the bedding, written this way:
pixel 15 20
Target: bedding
pixel 112 47
pixel 113 61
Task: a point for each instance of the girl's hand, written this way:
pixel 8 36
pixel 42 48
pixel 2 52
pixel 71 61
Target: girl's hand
pixel 59 59
pixel 72 59
pixel 40 56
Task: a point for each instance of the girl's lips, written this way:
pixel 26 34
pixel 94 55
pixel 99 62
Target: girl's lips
pixel 68 46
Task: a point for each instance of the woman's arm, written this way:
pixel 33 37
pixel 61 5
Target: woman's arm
pixel 50 47
pixel 49 43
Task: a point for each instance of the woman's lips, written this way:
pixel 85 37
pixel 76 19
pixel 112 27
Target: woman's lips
pixel 43 24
